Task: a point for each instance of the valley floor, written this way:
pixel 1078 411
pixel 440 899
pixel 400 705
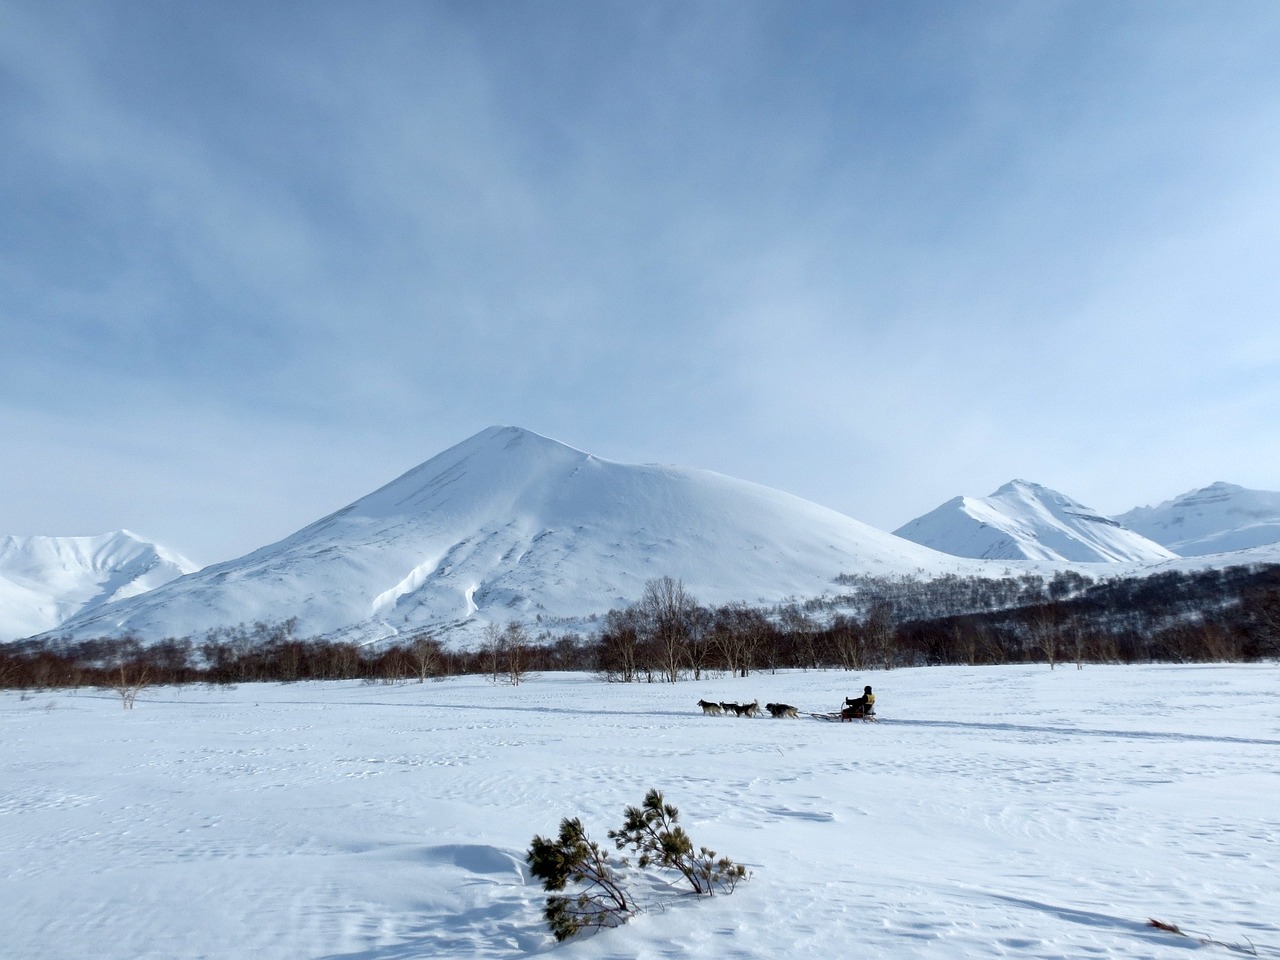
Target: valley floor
pixel 994 812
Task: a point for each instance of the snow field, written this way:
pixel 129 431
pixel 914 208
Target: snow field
pixel 994 812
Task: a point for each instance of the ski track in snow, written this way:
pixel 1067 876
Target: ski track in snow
pixel 994 812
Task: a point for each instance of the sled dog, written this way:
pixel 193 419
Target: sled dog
pixel 710 709
pixel 777 710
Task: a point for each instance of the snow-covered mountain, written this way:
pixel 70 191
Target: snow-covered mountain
pixel 1219 518
pixel 511 525
pixel 1025 521
pixel 46 580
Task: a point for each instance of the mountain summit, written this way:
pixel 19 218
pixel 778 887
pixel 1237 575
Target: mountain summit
pixel 511 525
pixel 1219 518
pixel 1025 521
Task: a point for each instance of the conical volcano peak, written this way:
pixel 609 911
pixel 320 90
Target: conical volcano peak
pixel 509 438
pixel 509 524
pixel 492 466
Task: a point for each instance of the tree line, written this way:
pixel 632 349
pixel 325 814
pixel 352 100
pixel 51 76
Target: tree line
pixel 667 635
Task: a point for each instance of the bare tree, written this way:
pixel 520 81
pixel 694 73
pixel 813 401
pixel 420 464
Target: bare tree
pixel 1076 636
pixel 1265 602
pixel 665 610
pixel 739 635
pixel 803 631
pixel 881 633
pixel 1046 632
pixel 491 650
pixel 620 645
pixel 755 629
pixel 848 642
pixel 425 655
pixel 700 643
pixel 130 682
pixel 515 650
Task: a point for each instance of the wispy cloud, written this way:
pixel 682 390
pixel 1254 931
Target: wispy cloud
pixel 876 255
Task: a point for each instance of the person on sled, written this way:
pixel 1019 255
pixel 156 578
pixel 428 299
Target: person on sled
pixel 859 708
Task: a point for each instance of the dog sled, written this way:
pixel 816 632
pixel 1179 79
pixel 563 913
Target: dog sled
pixel 848 715
pixel 851 710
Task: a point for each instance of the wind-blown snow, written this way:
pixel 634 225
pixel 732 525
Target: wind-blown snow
pixel 994 812
pixel 46 580
pixel 510 525
pixel 1026 521
pixel 1219 518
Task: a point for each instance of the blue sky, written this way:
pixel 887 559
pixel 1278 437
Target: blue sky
pixel 258 259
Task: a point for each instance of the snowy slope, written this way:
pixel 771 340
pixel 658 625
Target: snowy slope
pixel 1219 518
pixel 46 580
pixel 510 525
pixel 995 813
pixel 1025 521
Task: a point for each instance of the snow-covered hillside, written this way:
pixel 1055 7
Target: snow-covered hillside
pixel 46 580
pixel 1025 521
pixel 1219 518
pixel 511 525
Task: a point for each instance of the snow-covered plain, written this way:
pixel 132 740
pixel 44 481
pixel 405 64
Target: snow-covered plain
pixel 994 812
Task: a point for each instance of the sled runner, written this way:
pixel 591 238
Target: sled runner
pixel 847 715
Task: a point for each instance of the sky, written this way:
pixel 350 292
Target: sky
pixel 257 260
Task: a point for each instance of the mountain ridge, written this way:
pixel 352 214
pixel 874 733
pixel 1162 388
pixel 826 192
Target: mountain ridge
pixel 509 524
pixel 1022 520
pixel 45 580
pixel 512 525
pixel 1220 518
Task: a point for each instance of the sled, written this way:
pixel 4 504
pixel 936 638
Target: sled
pixel 838 716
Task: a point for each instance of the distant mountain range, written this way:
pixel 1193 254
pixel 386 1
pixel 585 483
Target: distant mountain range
pixel 1025 521
pixel 511 525
pixel 1220 518
pixel 45 581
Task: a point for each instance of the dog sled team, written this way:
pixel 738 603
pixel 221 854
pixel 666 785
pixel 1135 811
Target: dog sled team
pixel 854 708
pixel 751 709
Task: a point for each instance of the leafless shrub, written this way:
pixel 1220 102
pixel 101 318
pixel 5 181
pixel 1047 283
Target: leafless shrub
pixel 1173 928
pixel 130 682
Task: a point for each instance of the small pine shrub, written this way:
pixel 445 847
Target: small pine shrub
pixel 653 830
pixel 573 857
pixel 601 899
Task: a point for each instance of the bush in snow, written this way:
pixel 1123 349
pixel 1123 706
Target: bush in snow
pixel 653 830
pixel 129 683
pixel 573 857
